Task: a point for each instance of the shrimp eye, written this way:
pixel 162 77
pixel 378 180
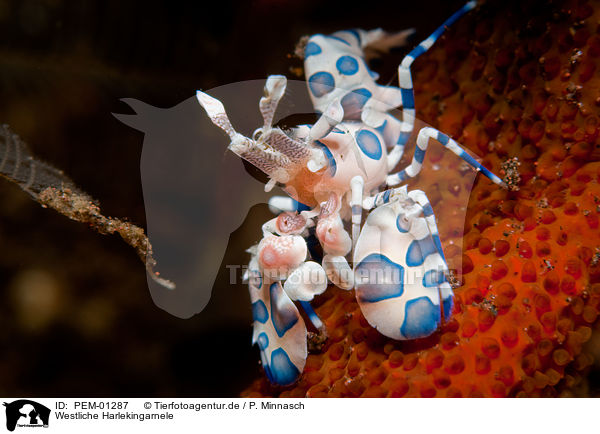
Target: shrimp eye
pixel 288 223
pixel 403 223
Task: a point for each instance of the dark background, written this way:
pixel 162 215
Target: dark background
pixel 76 317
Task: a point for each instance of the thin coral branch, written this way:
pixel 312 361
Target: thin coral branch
pixel 52 188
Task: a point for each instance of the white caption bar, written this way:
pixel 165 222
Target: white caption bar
pixel 160 415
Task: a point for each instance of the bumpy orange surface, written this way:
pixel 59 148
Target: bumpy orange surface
pixel 506 82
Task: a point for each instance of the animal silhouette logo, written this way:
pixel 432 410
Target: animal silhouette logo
pixel 26 413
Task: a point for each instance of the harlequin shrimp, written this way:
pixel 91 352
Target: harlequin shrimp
pixel 333 170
